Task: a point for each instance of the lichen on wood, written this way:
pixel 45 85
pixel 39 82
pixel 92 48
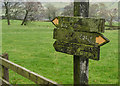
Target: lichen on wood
pixel 71 36
pixel 82 24
pixel 77 49
pixel 77 36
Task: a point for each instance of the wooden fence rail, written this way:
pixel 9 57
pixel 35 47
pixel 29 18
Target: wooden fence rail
pixel 5 82
pixel 38 79
pixel 113 27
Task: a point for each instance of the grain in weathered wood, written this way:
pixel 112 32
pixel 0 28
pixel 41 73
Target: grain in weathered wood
pixel 80 62
pixel 95 39
pixel 38 79
pixel 81 24
pixel 5 83
pixel 81 72
pixel 76 37
pixel 5 71
pixel 88 51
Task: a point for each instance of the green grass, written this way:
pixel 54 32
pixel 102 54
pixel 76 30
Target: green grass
pixel 31 46
pixel 114 23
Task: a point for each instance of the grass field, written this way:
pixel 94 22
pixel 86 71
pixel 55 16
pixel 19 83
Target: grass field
pixel 114 23
pixel 31 46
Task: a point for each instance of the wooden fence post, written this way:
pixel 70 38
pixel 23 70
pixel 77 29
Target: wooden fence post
pixel 80 70
pixel 80 62
pixel 5 71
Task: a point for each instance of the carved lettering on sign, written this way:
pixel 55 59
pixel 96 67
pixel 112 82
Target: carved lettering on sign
pixel 95 39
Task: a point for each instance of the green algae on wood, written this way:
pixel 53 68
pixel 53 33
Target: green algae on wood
pixel 81 24
pixel 75 37
pixel 77 49
pixel 68 35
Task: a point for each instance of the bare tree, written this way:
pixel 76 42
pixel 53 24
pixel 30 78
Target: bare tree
pixel 108 14
pixel 103 11
pixel 7 12
pixel 94 8
pixel 51 11
pixel 100 10
pixel 68 10
pixel 16 10
pixel 31 8
pixel 112 13
pixel 12 10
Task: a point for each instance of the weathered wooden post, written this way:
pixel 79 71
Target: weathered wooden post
pixel 81 37
pixel 80 62
pixel 5 71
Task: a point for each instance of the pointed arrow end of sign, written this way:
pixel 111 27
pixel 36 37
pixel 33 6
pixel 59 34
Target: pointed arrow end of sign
pixel 55 21
pixel 101 40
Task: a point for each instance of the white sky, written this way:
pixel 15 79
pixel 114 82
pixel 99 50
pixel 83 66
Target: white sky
pixel 61 0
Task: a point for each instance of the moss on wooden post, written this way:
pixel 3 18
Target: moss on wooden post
pixel 81 9
pixel 76 8
pixel 80 62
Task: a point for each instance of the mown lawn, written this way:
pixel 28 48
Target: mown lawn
pixel 31 46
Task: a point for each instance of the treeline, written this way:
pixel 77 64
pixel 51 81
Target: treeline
pixel 22 10
pixel 31 11
pixel 35 11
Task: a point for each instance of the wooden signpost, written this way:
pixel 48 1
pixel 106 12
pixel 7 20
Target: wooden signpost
pixel 80 37
pixel 79 31
pixel 77 23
